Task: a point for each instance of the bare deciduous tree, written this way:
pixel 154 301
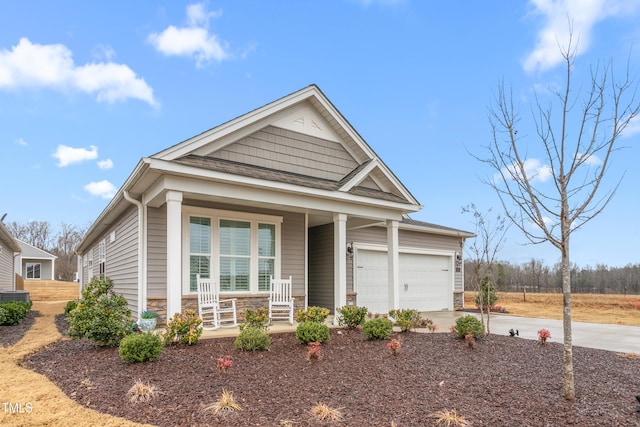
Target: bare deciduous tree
pixel 482 253
pixel 577 142
pixel 35 233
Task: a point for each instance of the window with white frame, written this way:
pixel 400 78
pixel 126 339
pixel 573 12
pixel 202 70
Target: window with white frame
pixel 240 250
pixel 102 258
pixel 33 270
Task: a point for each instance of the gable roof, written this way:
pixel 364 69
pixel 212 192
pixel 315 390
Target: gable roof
pixel 307 110
pixel 8 239
pixel 31 252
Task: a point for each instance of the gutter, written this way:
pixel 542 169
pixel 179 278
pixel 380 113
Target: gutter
pixel 142 282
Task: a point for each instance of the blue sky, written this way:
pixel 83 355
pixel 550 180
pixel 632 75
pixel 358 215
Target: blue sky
pixel 88 88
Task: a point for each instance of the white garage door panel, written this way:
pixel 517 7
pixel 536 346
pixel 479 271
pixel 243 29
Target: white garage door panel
pixel 372 281
pixel 425 281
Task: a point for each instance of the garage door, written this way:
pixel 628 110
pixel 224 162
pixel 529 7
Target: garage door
pixel 425 281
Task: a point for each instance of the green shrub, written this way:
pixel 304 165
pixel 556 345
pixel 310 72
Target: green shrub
pixel 307 332
pixel 71 305
pixel 312 314
pixel 137 348
pixel 406 318
pixel 183 328
pixel 487 295
pixel 377 329
pixel 258 318
pixel 468 324
pixel 13 312
pixel 101 315
pixel 351 316
pixel 252 339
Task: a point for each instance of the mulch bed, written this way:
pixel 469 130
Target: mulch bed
pixel 504 381
pixel 9 335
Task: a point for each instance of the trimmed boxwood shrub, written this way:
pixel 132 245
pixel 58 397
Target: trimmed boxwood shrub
pixel 252 339
pixel 377 329
pixel 351 316
pixel 143 347
pixel 307 332
pixel 13 312
pixel 469 324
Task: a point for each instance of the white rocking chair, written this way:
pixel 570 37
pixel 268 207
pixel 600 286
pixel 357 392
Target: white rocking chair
pixel 280 300
pixel 212 310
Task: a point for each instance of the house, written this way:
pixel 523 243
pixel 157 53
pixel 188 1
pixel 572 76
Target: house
pixel 9 250
pixel 34 263
pixel 288 189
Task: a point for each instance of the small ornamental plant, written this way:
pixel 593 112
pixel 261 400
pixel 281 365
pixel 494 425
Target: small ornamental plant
pixel 470 340
pixel 543 335
pixel 148 314
pixel 224 363
pixel 432 327
pixel 393 346
pixel 314 351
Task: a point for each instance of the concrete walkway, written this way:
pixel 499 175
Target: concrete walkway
pixel 618 338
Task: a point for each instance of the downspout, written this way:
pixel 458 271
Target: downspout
pixel 142 282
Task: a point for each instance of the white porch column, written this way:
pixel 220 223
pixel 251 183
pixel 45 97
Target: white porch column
pixel 174 251
pixel 393 264
pixel 339 259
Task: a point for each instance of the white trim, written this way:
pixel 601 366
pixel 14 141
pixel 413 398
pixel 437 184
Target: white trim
pixel 216 215
pixel 360 176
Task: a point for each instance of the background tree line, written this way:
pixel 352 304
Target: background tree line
pixel 535 276
pixel 61 243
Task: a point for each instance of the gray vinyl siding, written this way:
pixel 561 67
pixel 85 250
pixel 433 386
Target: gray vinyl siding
pixel 122 257
pixel 121 263
pixel 157 251
pixel 408 239
pixel 321 272
pixel 6 268
pixel 289 151
pixel 293 250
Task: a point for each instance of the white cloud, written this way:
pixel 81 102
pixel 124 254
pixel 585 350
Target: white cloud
pixel 104 189
pixel 68 155
pixel 533 169
pixel 590 159
pixel 193 40
pixel 30 65
pixel 633 128
pixel 105 164
pixel 21 142
pixel 558 17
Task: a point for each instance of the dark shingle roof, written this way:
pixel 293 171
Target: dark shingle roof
pixel 268 174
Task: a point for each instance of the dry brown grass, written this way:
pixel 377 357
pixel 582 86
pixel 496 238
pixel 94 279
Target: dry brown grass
pixel 226 403
pixel 592 308
pixel 325 413
pixel 450 418
pixel 50 406
pixel 52 290
pixel 141 392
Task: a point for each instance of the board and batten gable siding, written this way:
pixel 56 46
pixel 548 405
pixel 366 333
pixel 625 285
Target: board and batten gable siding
pixel 285 150
pixel 6 268
pixel 406 239
pixel 157 251
pixel 321 280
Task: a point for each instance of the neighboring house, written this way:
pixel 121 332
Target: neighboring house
pixel 34 263
pixel 288 189
pixel 9 250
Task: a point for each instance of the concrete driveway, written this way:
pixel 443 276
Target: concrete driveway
pixel 618 338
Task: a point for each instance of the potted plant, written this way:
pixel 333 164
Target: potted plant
pixel 148 320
